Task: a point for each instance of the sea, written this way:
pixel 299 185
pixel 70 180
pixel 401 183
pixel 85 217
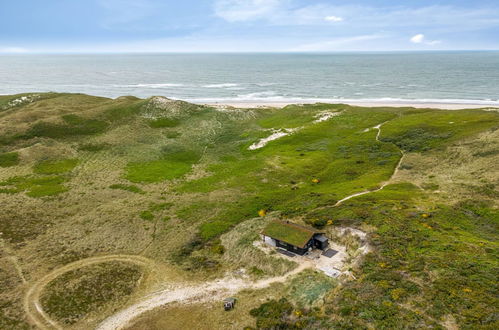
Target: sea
pixel 426 77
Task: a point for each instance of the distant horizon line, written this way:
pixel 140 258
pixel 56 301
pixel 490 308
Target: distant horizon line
pixel 250 52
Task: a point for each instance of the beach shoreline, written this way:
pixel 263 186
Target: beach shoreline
pixel 432 105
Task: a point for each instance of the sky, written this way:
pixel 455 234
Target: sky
pixel 80 26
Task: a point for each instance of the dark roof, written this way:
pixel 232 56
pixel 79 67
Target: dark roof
pixel 289 232
pixel 321 238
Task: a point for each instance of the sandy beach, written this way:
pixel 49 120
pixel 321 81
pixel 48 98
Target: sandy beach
pixel 446 106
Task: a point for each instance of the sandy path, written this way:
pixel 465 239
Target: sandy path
pixel 185 294
pixel 32 304
pixel 219 288
pixel 13 259
pixel 208 291
pixel 384 184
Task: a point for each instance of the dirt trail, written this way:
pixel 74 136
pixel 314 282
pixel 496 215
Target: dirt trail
pixel 208 291
pixel 184 294
pixel 10 255
pixel 32 304
pixel 384 184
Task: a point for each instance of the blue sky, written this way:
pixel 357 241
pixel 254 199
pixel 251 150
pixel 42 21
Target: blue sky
pixel 246 25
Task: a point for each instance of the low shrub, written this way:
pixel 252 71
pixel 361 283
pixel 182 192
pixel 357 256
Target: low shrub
pixel 35 186
pixel 92 147
pixel 75 294
pixel 74 126
pixel 170 166
pixel 147 215
pixel 417 139
pixel 55 166
pixel 8 159
pixel 127 187
pixel 163 122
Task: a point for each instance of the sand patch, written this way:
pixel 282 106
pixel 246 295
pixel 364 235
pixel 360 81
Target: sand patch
pixel 277 134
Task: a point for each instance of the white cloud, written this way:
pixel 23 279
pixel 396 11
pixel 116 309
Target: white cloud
pixel 14 50
pixel 246 10
pixel 291 13
pixel 336 44
pixel 421 39
pixel 418 38
pixel 434 42
pixel 333 19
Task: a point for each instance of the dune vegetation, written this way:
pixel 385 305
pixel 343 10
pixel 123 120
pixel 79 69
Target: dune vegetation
pixel 83 176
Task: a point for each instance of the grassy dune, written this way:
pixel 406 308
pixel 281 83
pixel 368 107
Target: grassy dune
pixel 83 176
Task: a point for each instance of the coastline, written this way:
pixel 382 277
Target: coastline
pixel 275 104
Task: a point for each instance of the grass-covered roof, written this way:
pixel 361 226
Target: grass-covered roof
pixel 288 232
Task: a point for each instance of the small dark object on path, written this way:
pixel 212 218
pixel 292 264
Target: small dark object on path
pixel 229 303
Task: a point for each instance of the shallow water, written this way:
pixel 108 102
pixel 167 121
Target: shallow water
pixel 447 77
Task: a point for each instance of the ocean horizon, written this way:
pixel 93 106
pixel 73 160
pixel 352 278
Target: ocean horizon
pixel 460 77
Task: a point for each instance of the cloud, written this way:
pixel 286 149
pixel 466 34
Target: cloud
pixel 360 16
pixel 434 42
pixel 336 44
pixel 246 10
pixel 333 19
pixel 421 39
pixel 13 50
pixel 417 39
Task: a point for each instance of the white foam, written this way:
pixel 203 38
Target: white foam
pixel 226 85
pixel 272 97
pixel 151 85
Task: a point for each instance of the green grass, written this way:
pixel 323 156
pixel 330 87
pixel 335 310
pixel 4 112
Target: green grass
pixel 422 132
pixel 8 159
pixel 73 126
pixel 282 314
pixel 156 171
pixel 146 215
pixel 163 122
pixel 123 111
pixel 127 187
pixel 157 207
pixel 52 174
pixel 154 208
pixel 92 147
pixel 76 294
pixel 293 116
pixel 196 210
pixel 309 288
pixel 55 166
pixel 34 186
pixel 337 152
pixel 171 166
pixel 452 251
pixel 288 233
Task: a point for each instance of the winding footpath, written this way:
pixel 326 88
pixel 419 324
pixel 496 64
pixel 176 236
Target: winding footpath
pixel 214 290
pixel 185 294
pixel 32 304
pixel 13 259
pixel 384 184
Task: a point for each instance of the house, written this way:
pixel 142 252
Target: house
pixel 293 237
